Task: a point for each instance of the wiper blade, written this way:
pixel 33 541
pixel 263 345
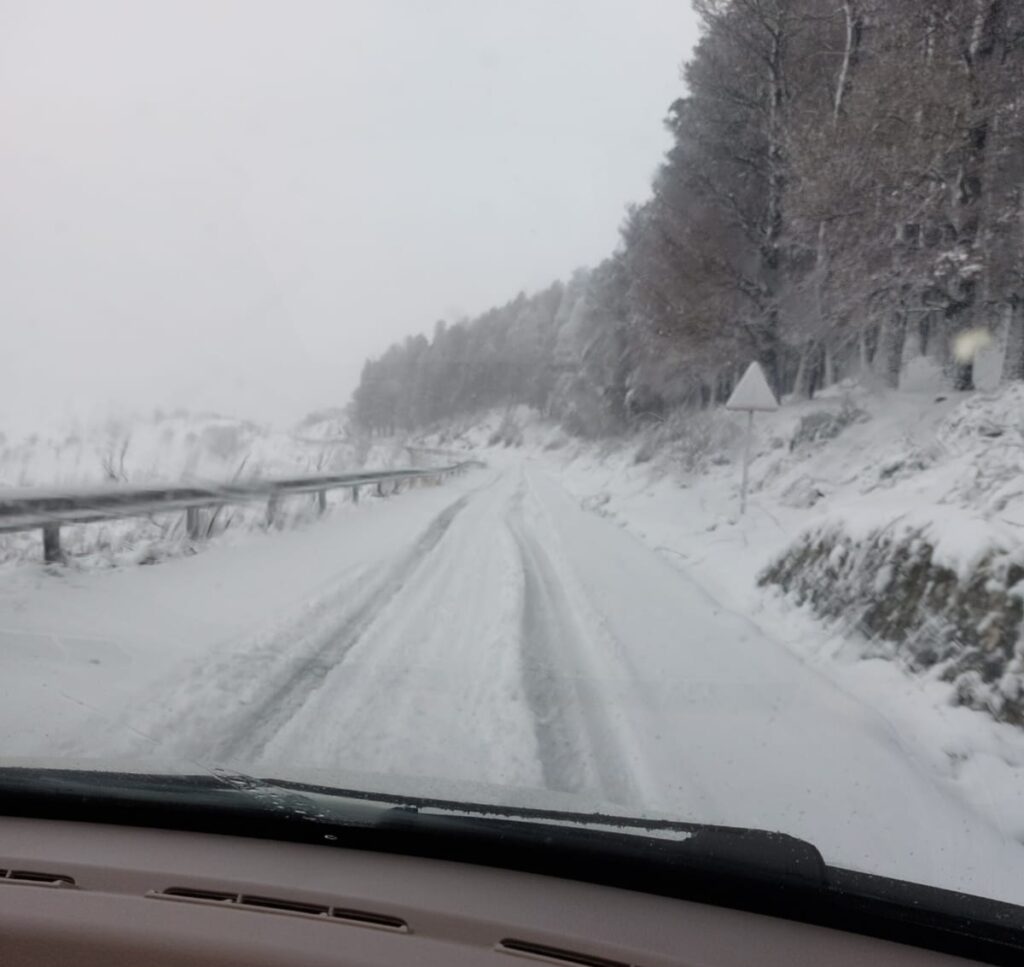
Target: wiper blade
pixel 417 803
pixel 469 832
pixel 697 847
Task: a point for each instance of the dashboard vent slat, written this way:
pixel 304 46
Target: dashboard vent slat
pixel 555 955
pixel 187 893
pixel 369 919
pixel 36 878
pixel 360 918
pixel 285 906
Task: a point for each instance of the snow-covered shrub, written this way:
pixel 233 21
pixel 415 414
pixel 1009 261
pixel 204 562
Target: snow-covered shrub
pixel 693 440
pixel 995 417
pixel 825 425
pixel 649 448
pixel 908 462
pixel 897 584
pixel 802 493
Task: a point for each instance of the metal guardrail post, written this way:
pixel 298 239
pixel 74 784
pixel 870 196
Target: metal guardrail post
pixel 52 554
pixel 321 501
pixel 192 523
pixel 355 494
pixel 272 504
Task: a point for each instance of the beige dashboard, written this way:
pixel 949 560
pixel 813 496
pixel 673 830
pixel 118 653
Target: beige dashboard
pixel 90 894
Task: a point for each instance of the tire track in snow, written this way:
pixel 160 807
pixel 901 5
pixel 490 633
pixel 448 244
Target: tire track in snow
pixel 434 687
pixel 633 702
pixel 244 736
pixel 577 742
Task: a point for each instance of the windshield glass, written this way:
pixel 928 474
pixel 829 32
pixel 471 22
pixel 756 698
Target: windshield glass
pixel 597 406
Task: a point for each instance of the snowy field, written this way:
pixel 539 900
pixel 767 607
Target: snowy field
pixel 560 621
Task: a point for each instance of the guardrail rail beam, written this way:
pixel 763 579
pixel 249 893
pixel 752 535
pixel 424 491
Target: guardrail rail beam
pixel 27 509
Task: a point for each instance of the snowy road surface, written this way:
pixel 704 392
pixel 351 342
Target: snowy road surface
pixel 496 632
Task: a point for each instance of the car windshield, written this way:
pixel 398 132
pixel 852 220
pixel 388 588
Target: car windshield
pixel 601 407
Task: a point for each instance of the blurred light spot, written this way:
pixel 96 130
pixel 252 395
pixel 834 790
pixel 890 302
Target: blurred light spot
pixel 969 343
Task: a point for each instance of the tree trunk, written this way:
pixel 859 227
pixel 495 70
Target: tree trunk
pixel 770 256
pixel 828 366
pixel 851 50
pixel 854 26
pixel 1013 355
pixel 889 354
pixel 802 383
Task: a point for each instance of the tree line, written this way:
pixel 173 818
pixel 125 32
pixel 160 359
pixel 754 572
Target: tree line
pixel 844 192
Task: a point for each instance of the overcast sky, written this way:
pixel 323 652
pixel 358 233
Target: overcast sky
pixel 230 204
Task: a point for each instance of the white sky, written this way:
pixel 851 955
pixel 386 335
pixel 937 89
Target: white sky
pixel 232 203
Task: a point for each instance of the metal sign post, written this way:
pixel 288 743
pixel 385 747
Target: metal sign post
pixel 746 461
pixel 752 394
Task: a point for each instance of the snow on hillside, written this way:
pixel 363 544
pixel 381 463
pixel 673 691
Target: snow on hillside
pixel 172 447
pixel 855 459
pixel 863 459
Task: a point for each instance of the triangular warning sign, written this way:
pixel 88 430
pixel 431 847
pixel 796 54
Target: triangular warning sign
pixel 753 392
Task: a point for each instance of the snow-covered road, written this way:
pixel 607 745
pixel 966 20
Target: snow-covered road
pixel 497 632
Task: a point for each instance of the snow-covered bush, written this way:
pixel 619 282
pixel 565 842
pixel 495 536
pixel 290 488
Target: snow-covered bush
pixel 986 417
pixel 803 492
pixel 898 584
pixel 825 425
pixel 692 440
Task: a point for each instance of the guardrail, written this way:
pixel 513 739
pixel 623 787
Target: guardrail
pixel 32 508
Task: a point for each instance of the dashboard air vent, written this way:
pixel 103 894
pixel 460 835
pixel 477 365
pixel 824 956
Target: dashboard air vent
pixel 369 919
pixel 555 955
pixel 284 906
pixel 34 877
pixel 362 918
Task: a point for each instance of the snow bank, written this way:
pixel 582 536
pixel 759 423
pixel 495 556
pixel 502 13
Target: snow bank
pixel 941 591
pixel 920 550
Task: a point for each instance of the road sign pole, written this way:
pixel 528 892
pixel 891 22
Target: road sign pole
pixel 746 461
pixel 752 393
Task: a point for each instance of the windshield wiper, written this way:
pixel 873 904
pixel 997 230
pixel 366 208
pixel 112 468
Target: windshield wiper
pixel 750 869
pixel 509 836
pixel 691 849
